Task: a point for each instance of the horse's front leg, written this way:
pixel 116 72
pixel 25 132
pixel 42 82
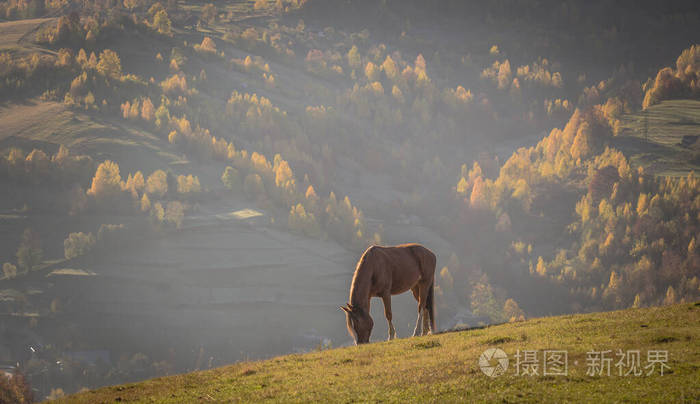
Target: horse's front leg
pixel 386 298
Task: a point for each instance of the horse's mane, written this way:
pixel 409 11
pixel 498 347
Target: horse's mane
pixel 369 251
pixel 361 264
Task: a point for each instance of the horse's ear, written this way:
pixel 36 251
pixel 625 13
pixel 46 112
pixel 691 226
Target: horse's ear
pixel 346 309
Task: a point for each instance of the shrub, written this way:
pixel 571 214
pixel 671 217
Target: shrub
pixel 209 13
pixel 207 45
pixel 161 22
pixel 107 181
pixel 684 81
pixel 253 185
pixel 29 253
pixel 231 178
pixel 157 183
pixel 109 64
pixel 77 244
pixel 188 184
pixel 9 270
pixel 175 213
pixel 15 389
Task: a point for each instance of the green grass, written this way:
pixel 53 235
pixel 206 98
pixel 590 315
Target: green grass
pixel 658 148
pixel 444 367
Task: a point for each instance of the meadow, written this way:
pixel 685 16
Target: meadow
pixel 445 367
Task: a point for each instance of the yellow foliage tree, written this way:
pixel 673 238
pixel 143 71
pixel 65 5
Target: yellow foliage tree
pixel 389 68
pixel 207 45
pixel 161 22
pixel 109 64
pixel 512 311
pixel 581 148
pixel 157 183
pixel 504 75
pixel 478 198
pixel 147 110
pixel 354 58
pixel 371 72
pixel 145 203
pixel 107 182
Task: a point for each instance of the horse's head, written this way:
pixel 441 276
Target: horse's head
pixel 359 323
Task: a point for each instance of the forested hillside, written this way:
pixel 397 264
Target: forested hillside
pixel 545 150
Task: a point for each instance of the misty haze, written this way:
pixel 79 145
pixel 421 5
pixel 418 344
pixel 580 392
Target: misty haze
pixel 188 185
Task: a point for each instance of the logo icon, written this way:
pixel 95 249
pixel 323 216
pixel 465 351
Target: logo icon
pixel 493 362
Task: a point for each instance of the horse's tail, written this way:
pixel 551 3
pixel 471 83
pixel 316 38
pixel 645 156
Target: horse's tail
pixel 430 306
pixel 428 262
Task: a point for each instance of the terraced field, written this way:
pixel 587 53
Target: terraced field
pixel 664 138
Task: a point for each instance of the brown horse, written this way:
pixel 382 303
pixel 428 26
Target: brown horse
pixel 386 271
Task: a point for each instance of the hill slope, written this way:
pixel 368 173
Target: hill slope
pixel 445 367
pixel 664 138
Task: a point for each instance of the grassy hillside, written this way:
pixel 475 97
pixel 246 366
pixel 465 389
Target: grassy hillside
pixel 445 367
pixel 136 134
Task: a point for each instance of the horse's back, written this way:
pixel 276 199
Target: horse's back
pixel 413 253
pixel 424 255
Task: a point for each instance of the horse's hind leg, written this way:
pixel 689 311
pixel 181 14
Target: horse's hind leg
pixel 420 293
pixel 426 322
pixel 386 298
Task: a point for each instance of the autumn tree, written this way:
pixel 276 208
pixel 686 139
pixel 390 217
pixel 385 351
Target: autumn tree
pixel 109 64
pixel 161 22
pixel 9 270
pixel 231 178
pixel 354 58
pixel 29 253
pixel 77 244
pixel 582 146
pixel 303 221
pixel 157 184
pixel 504 75
pixel 372 72
pixel 389 68
pixel 484 301
pixel 145 203
pixel 147 110
pixel 253 185
pixel 670 297
pixel 175 213
pixel 131 4
pixel 37 163
pixel 479 198
pixel 188 184
pixel 512 311
pixel 312 198
pixel 135 184
pixel 207 45
pixel 601 185
pixel 15 389
pixel 209 13
pixel 107 181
